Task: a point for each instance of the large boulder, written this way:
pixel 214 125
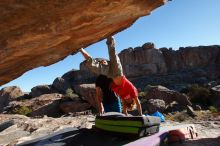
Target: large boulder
pixel 88 93
pixel 153 105
pixel 163 93
pixel 174 107
pixel 61 85
pixel 12 92
pixel 216 91
pixel 79 77
pixel 190 111
pixel 8 94
pixel 142 61
pixel 39 33
pixel 47 104
pixel 41 89
pixel 74 106
pixel 30 131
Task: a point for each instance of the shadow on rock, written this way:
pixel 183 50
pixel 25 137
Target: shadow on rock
pixel 83 137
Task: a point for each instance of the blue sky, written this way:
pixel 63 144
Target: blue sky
pixel 179 23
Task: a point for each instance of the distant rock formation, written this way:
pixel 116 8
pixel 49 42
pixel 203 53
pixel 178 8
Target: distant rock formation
pixel 40 33
pixel 191 57
pixel 142 61
pixel 172 68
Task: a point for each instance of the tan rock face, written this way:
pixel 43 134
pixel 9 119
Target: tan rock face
pixel 88 93
pixel 39 33
pixel 163 93
pixel 142 61
pixel 147 60
pixel 8 94
pixel 191 57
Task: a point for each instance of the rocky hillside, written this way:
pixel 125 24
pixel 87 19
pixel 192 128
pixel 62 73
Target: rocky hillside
pixel 147 60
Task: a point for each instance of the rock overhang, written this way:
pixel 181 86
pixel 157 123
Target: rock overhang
pixel 40 33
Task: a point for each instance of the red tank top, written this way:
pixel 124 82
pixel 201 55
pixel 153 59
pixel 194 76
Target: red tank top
pixel 126 90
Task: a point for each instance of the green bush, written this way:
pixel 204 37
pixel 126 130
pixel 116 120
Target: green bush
pixel 70 94
pixel 141 94
pixel 199 95
pixel 181 118
pixel 213 109
pixel 22 110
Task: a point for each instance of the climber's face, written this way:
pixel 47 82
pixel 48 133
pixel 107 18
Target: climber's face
pixel 104 62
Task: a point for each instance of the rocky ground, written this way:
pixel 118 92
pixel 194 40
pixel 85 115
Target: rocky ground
pixel 25 128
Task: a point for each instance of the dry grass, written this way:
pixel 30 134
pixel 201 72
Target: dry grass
pixel 207 115
pixel 178 116
pixel 200 115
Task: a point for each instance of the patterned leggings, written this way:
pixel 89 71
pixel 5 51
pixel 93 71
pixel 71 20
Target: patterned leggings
pixel 115 68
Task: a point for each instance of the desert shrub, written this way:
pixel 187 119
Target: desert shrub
pixel 141 94
pixel 213 109
pixel 178 117
pixel 70 94
pixel 22 110
pixel 199 95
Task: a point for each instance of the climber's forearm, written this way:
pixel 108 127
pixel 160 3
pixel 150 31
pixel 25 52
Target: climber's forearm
pixel 85 54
